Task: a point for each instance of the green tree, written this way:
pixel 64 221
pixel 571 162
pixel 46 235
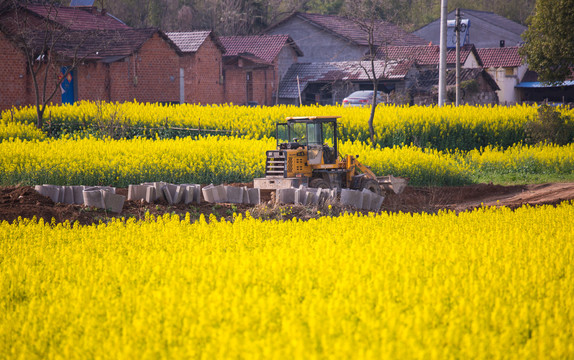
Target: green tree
pixel 549 40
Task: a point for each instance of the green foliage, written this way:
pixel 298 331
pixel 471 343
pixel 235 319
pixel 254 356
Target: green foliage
pixel 550 126
pixel 549 47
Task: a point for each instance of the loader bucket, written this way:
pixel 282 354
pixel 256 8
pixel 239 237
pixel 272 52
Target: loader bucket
pixel 391 183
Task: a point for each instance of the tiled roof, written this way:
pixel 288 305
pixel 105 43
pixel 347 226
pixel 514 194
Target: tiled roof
pixel 100 44
pixel 500 57
pixel 75 18
pixel 189 42
pixel 350 30
pixel 337 71
pixel 424 55
pixel 266 47
pixel 429 78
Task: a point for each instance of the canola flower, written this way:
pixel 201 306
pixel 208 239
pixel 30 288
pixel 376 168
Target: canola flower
pixel 12 130
pixel 222 159
pixel 449 127
pixel 91 161
pixel 491 283
pixel 538 159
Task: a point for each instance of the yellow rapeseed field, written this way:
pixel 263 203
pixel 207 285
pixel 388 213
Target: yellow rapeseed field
pixel 449 127
pixel 220 159
pixel 487 284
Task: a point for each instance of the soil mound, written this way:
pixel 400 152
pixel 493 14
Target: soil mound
pixel 25 202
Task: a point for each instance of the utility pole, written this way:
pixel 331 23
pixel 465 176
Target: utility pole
pixel 442 58
pixel 457 29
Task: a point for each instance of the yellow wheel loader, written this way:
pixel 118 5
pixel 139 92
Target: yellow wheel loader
pixel 307 154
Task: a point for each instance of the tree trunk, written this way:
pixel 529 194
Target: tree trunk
pixel 371 118
pixel 39 116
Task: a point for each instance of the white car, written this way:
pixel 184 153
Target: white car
pixel 362 98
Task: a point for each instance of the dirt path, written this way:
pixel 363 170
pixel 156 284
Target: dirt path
pixel 25 202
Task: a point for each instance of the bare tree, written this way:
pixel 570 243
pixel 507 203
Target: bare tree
pixel 366 14
pixel 47 47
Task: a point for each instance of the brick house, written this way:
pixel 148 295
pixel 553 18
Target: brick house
pixel 111 61
pixel 328 38
pixel 507 68
pixel 113 64
pixel 200 67
pixel 254 66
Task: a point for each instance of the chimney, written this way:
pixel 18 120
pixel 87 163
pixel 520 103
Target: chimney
pixel 104 12
pixel 501 43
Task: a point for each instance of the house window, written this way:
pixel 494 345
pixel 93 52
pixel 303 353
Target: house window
pixel 509 71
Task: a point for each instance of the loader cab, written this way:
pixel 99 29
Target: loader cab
pixel 317 134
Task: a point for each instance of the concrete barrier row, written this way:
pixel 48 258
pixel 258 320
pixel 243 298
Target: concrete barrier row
pixel 102 197
pixel 231 194
pixel 172 193
pixel 305 196
pixel 365 199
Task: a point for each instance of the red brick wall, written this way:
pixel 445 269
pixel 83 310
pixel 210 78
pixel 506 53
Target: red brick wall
pixel 149 75
pixel 12 75
pixel 202 72
pixel 236 85
pixel 235 91
pixel 52 84
pixel 92 82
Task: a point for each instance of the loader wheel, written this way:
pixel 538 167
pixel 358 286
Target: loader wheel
pixel 319 183
pixel 371 185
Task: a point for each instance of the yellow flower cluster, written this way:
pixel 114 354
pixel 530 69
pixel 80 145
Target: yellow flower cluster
pixel 448 127
pixel 12 130
pixel 492 283
pixel 219 159
pixel 547 158
pixel 91 161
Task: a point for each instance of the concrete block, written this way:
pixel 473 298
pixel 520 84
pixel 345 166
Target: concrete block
pixel 150 194
pixel 197 193
pixel 51 191
pixel 234 194
pixel 113 202
pixel 137 192
pixel 191 193
pixel 367 195
pixel 219 194
pixel 331 194
pixel 179 193
pixel 94 198
pixel 286 196
pixel 104 188
pixel 352 198
pixel 300 196
pixel 245 195
pixel 313 196
pixel 207 192
pixel 377 202
pixel 78 194
pixel 254 196
pixel 170 193
pixel 167 194
pixel 158 189
pixel 68 195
